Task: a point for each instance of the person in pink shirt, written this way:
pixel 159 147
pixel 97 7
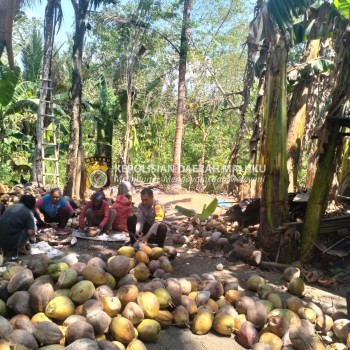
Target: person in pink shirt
pixel 53 207
pixel 97 213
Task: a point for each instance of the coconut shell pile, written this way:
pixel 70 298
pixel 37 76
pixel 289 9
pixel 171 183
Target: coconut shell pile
pixel 95 304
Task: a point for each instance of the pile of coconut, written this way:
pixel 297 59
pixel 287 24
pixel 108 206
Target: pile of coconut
pixel 93 304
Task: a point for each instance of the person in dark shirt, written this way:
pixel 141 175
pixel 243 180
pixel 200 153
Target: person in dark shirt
pixel 17 226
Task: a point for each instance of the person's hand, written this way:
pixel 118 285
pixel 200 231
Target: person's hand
pixel 143 239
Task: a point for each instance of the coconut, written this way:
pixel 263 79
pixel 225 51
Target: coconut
pixel 267 304
pixel 91 305
pixel 255 282
pixel 97 262
pixel 136 345
pixel 244 304
pixel 104 344
pixel 170 251
pixel 291 272
pixel 73 318
pixel 20 337
pixel 159 273
pixel 194 284
pixel 231 285
pixel 261 346
pixel 83 344
pixel 163 296
pixel 118 266
pixel 19 303
pixel 152 286
pixel 11 270
pixel 70 259
pixel 232 296
pixel 94 274
pixel 202 298
pixel 78 330
pixel 110 280
pixel 64 292
pixel 122 330
pixel 140 272
pixel 99 320
pixel 149 303
pixel 203 321
pixel 3 289
pixel 276 300
pixel 82 291
pixel 315 307
pixel 38 264
pixel 142 257
pixel 224 323
pixel 211 304
pixel 24 324
pixel 341 328
pixel 126 251
pixel 5 327
pixel 41 280
pixel 79 267
pixel 228 309
pixel 257 315
pixel 56 269
pixel 111 305
pixel 301 339
pixel 247 335
pixel 60 308
pixel 215 289
pixel 165 265
pixel 278 325
pixel 164 318
pixel 324 324
pixel 272 339
pixel 208 276
pixel 39 317
pixel 103 291
pixel 53 347
pixel 153 266
pixel 48 333
pixel 39 296
pixel 296 286
pixel 133 312
pixel 239 321
pixel 307 314
pixel 181 316
pixel 189 304
pixel 157 252
pixel 174 288
pixel 294 304
pixel 265 290
pixel 20 281
pixel 148 330
pixel 127 293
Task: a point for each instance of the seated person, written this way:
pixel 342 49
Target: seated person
pixel 53 208
pixel 17 226
pixel 97 213
pixel 148 227
pixel 123 208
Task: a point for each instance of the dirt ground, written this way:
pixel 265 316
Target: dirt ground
pixel 190 261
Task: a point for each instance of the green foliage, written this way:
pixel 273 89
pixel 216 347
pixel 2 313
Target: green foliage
pixel 206 211
pixel 343 6
pixel 8 82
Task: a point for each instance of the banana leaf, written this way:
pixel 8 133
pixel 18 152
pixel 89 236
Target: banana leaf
pixel 208 210
pixel 184 211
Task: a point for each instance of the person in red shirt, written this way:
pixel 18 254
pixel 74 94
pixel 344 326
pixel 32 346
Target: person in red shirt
pixel 123 208
pixel 97 213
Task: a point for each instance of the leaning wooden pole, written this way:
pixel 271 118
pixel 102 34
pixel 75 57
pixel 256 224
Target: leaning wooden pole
pixel 319 193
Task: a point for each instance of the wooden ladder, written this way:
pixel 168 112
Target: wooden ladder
pixel 49 130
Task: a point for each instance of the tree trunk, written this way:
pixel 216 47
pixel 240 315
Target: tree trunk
pixel 45 93
pixel 73 183
pixel 200 183
pixel 318 197
pixel 297 118
pixel 273 210
pixel 8 10
pixel 176 169
pixel 109 137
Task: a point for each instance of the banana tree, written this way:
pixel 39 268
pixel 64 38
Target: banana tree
pixel 272 28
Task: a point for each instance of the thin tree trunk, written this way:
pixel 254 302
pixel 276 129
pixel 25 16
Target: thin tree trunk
pixel 297 118
pixel 274 192
pixel 45 94
pixel 200 184
pixel 73 183
pixel 176 169
pixel 109 137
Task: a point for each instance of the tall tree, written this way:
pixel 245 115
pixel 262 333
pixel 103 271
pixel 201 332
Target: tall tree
pixel 184 46
pixel 53 18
